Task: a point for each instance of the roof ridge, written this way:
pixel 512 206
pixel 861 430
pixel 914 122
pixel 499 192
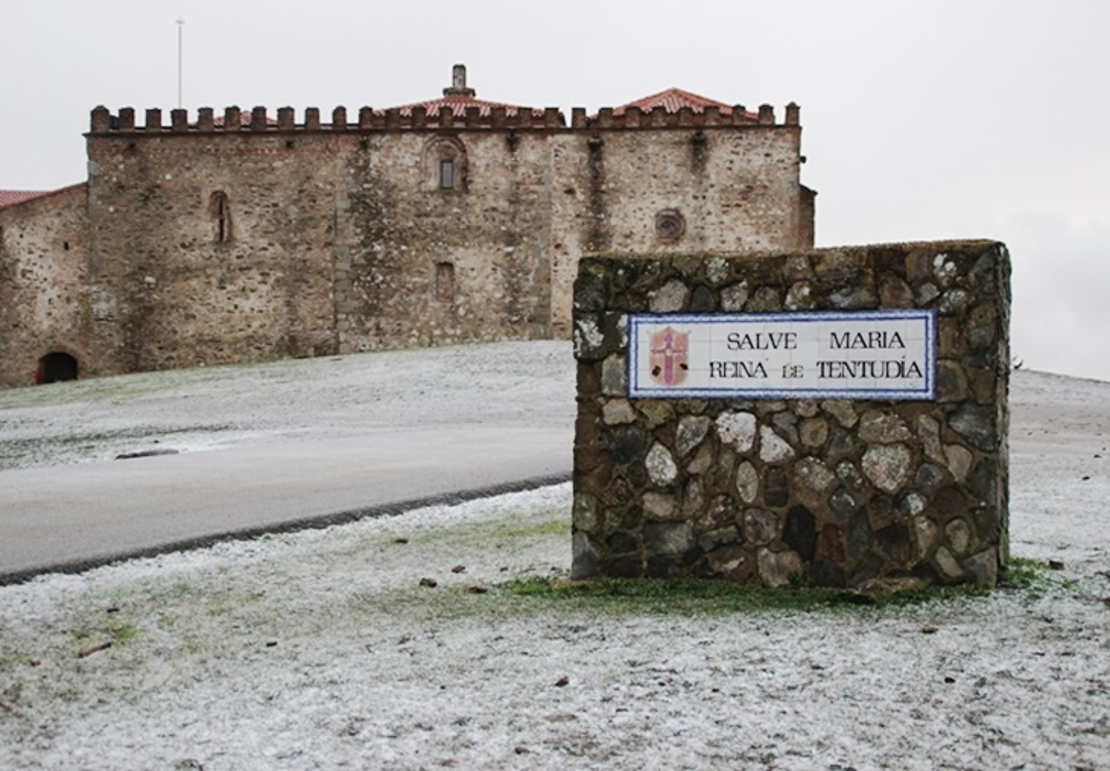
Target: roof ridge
pixel 16 197
pixel 13 197
pixel 459 103
pixel 674 99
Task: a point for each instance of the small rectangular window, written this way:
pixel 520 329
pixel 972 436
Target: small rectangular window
pixel 445 282
pixel 447 174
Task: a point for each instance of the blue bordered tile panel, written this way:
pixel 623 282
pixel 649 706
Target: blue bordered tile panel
pixel 875 355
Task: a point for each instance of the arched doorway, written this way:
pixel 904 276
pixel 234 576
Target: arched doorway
pixel 56 367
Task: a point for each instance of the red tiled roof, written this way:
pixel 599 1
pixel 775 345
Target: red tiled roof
pixel 458 105
pixel 12 197
pixel 674 99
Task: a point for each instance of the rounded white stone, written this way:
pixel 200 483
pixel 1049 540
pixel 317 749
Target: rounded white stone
pixel 660 465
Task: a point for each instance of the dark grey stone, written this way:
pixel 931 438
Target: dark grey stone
pixel 842 504
pixel 760 526
pixel 800 532
pixel 894 292
pixel 951 382
pixel 591 293
pixel 826 573
pixel 668 538
pixel 882 427
pixel 722 536
pixel 981 323
pixel 626 443
pixel 929 479
pixel 859 535
pixel 976 425
pixel 984 567
pixel 895 542
pixel 584 560
pixel 620 543
pixel 702 300
pixel 691 432
pixel 764 300
pixel 852 298
pixel 776 487
pixel 983 482
pixel 983 272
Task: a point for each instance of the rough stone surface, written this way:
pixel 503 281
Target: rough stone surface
pixel 984 567
pixel 925 535
pixel 949 567
pixel 747 482
pixel 772 447
pixel 734 297
pixel 614 376
pixel 668 537
pixel 660 507
pixel 779 568
pixel 882 427
pixel 959 460
pixel 813 476
pixel 253 236
pixel 733 563
pixel 670 298
pixel 958 535
pixel 813 432
pixel 928 431
pixel 692 430
pixel 843 411
pixel 832 491
pixel 976 425
pixel 737 430
pixel 760 526
pixel 617 412
pixel 888 466
pixel 660 465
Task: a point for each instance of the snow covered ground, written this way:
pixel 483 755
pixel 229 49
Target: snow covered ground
pixel 322 649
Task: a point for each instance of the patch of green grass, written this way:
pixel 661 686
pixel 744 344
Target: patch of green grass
pixel 117 634
pixel 124 634
pixel 1022 573
pixel 539 528
pixel 690 595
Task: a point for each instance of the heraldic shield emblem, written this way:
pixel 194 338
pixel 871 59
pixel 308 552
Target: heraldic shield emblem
pixel 669 356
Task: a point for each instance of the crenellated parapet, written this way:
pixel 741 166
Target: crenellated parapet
pixel 419 117
pixel 258 120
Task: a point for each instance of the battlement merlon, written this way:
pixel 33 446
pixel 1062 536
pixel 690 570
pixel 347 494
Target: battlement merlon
pixel 421 118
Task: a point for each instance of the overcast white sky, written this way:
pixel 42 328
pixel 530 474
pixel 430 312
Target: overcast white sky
pixel 922 120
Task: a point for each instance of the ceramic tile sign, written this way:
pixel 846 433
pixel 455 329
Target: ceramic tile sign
pixel 882 354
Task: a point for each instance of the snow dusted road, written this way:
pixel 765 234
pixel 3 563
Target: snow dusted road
pixel 98 512
pixel 271 447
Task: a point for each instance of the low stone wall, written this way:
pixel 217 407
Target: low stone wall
pixel 767 490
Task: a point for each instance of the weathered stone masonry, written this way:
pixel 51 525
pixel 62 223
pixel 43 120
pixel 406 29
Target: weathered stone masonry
pixel 835 492
pixel 206 238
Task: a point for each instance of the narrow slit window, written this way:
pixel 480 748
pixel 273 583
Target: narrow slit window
pixel 445 282
pixel 447 174
pixel 220 210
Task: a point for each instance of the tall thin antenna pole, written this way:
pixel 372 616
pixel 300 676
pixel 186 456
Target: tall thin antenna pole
pixel 180 27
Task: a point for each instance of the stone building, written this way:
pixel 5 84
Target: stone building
pixel 243 236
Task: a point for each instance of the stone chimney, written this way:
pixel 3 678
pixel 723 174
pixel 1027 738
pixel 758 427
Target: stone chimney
pixel 458 83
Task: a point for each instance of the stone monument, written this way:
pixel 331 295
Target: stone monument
pixel 828 416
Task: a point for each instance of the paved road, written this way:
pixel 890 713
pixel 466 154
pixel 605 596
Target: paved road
pixel 92 513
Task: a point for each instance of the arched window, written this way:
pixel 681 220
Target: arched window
pixel 219 209
pixel 444 164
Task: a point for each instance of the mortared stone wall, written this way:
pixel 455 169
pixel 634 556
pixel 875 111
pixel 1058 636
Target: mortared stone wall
pixel 768 491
